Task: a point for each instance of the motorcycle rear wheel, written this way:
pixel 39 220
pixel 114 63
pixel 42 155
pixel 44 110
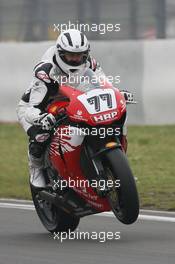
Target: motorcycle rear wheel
pixel 53 218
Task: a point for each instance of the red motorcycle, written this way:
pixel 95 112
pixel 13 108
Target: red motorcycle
pixel 85 166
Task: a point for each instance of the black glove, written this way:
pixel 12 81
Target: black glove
pixel 46 121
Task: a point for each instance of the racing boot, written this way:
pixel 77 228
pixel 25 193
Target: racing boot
pixel 36 166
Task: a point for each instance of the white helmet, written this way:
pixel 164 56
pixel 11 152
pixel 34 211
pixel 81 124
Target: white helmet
pixel 72 41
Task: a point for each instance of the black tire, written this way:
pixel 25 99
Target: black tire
pixel 126 206
pixel 53 218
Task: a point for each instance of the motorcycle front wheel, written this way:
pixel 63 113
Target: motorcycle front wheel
pixel 124 197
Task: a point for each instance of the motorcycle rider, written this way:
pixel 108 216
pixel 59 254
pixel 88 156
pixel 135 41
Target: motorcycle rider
pixel 69 56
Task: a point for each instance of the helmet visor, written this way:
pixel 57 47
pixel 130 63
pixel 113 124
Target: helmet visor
pixel 74 58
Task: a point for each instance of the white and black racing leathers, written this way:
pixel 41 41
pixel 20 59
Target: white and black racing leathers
pixel 43 89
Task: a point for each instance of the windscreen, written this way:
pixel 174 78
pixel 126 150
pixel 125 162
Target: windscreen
pixel 88 80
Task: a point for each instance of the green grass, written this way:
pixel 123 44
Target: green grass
pixel 13 162
pixel 152 158
pixel 151 153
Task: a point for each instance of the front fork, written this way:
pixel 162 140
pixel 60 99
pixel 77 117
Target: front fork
pixel 124 143
pixel 91 161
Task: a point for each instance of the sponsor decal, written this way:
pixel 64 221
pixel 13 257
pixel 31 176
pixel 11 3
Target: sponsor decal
pixel 42 137
pixel 43 76
pixel 79 112
pixel 88 196
pixel 104 117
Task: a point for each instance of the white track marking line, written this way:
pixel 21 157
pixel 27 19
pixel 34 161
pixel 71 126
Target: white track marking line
pixel 30 202
pixel 17 206
pixel 108 214
pixel 16 200
pixel 157 212
pixel 145 217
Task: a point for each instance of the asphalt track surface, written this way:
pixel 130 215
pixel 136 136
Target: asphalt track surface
pixel 23 240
